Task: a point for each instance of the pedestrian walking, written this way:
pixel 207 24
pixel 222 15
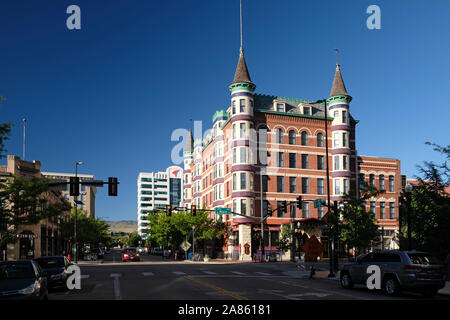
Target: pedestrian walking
pixel 312 272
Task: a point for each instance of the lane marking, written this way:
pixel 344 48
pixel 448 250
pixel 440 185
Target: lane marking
pixel 263 273
pixel 179 273
pixel 146 274
pixel 116 277
pixel 237 272
pixel 84 276
pixel 216 288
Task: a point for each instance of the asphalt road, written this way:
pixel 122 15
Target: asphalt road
pixel 156 279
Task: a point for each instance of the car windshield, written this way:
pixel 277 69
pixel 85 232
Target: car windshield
pixel 16 271
pixel 130 250
pixel 46 263
pixel 423 258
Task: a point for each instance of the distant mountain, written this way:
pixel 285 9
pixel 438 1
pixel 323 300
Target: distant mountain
pixel 127 226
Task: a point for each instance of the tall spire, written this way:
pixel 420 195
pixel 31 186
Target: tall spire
pixel 190 143
pixel 241 74
pixel 338 87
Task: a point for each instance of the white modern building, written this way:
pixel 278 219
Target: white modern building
pixel 156 190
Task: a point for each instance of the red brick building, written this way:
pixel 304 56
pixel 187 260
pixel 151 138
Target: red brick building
pixel 284 141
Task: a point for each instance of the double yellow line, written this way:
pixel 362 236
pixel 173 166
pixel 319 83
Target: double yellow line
pixel 217 289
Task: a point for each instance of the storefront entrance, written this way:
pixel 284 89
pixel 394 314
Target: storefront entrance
pixel 26 245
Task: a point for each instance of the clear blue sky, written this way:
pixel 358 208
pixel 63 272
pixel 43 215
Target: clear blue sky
pixel 112 93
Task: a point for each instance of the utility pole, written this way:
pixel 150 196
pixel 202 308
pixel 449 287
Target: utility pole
pixel 24 137
pixel 262 216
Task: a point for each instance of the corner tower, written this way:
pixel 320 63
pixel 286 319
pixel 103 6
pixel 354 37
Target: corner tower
pixel 339 109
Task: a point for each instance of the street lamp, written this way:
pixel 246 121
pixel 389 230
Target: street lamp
pixel 331 238
pixel 408 191
pixel 193 242
pixel 77 163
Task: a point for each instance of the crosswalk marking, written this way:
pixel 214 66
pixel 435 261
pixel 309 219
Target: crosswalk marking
pixel 146 274
pixel 209 272
pixel 263 273
pixel 179 273
pixel 85 276
pixel 237 272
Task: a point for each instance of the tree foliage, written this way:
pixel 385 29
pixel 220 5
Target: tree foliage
pixel 430 207
pixel 25 202
pixel 174 230
pixel 5 131
pixel 89 230
pixel 358 228
pixel 285 238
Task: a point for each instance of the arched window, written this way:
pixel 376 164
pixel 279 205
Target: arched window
pixel 292 137
pixel 320 140
pixel 279 136
pixel 304 138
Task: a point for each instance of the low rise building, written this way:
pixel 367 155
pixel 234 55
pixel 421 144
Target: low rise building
pixel 44 238
pixel 87 193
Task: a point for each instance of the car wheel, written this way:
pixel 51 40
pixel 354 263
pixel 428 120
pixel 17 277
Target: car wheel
pixel 346 281
pixel 391 286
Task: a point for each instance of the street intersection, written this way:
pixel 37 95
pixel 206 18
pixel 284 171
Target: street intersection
pixel 156 279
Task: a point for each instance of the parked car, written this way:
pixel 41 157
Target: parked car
pixel 100 254
pixel 56 269
pixel 22 279
pixel 400 270
pixel 130 254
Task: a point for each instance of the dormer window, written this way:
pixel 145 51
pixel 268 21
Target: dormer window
pixel 280 107
pixel 307 110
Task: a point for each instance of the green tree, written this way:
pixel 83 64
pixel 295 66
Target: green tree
pixel 25 202
pixel 174 230
pixel 133 240
pixel 89 230
pixel 285 239
pixel 430 207
pixel 358 228
pixel 5 131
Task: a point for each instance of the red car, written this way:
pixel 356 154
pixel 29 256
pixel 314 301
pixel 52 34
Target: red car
pixel 130 254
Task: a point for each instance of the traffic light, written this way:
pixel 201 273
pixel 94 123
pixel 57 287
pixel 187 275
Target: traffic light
pixel 299 202
pixel 269 210
pixel 284 206
pixel 112 186
pixel 194 210
pixel 169 210
pixel 74 186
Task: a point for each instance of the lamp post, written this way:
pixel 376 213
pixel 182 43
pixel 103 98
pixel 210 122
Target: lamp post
pixel 193 242
pixel 76 209
pixel 408 190
pixel 331 237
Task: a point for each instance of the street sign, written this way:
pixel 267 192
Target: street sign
pixel 318 203
pixel 312 248
pixel 223 210
pixel 185 246
pixel 330 219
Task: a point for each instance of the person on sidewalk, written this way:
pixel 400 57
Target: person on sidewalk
pixel 312 272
